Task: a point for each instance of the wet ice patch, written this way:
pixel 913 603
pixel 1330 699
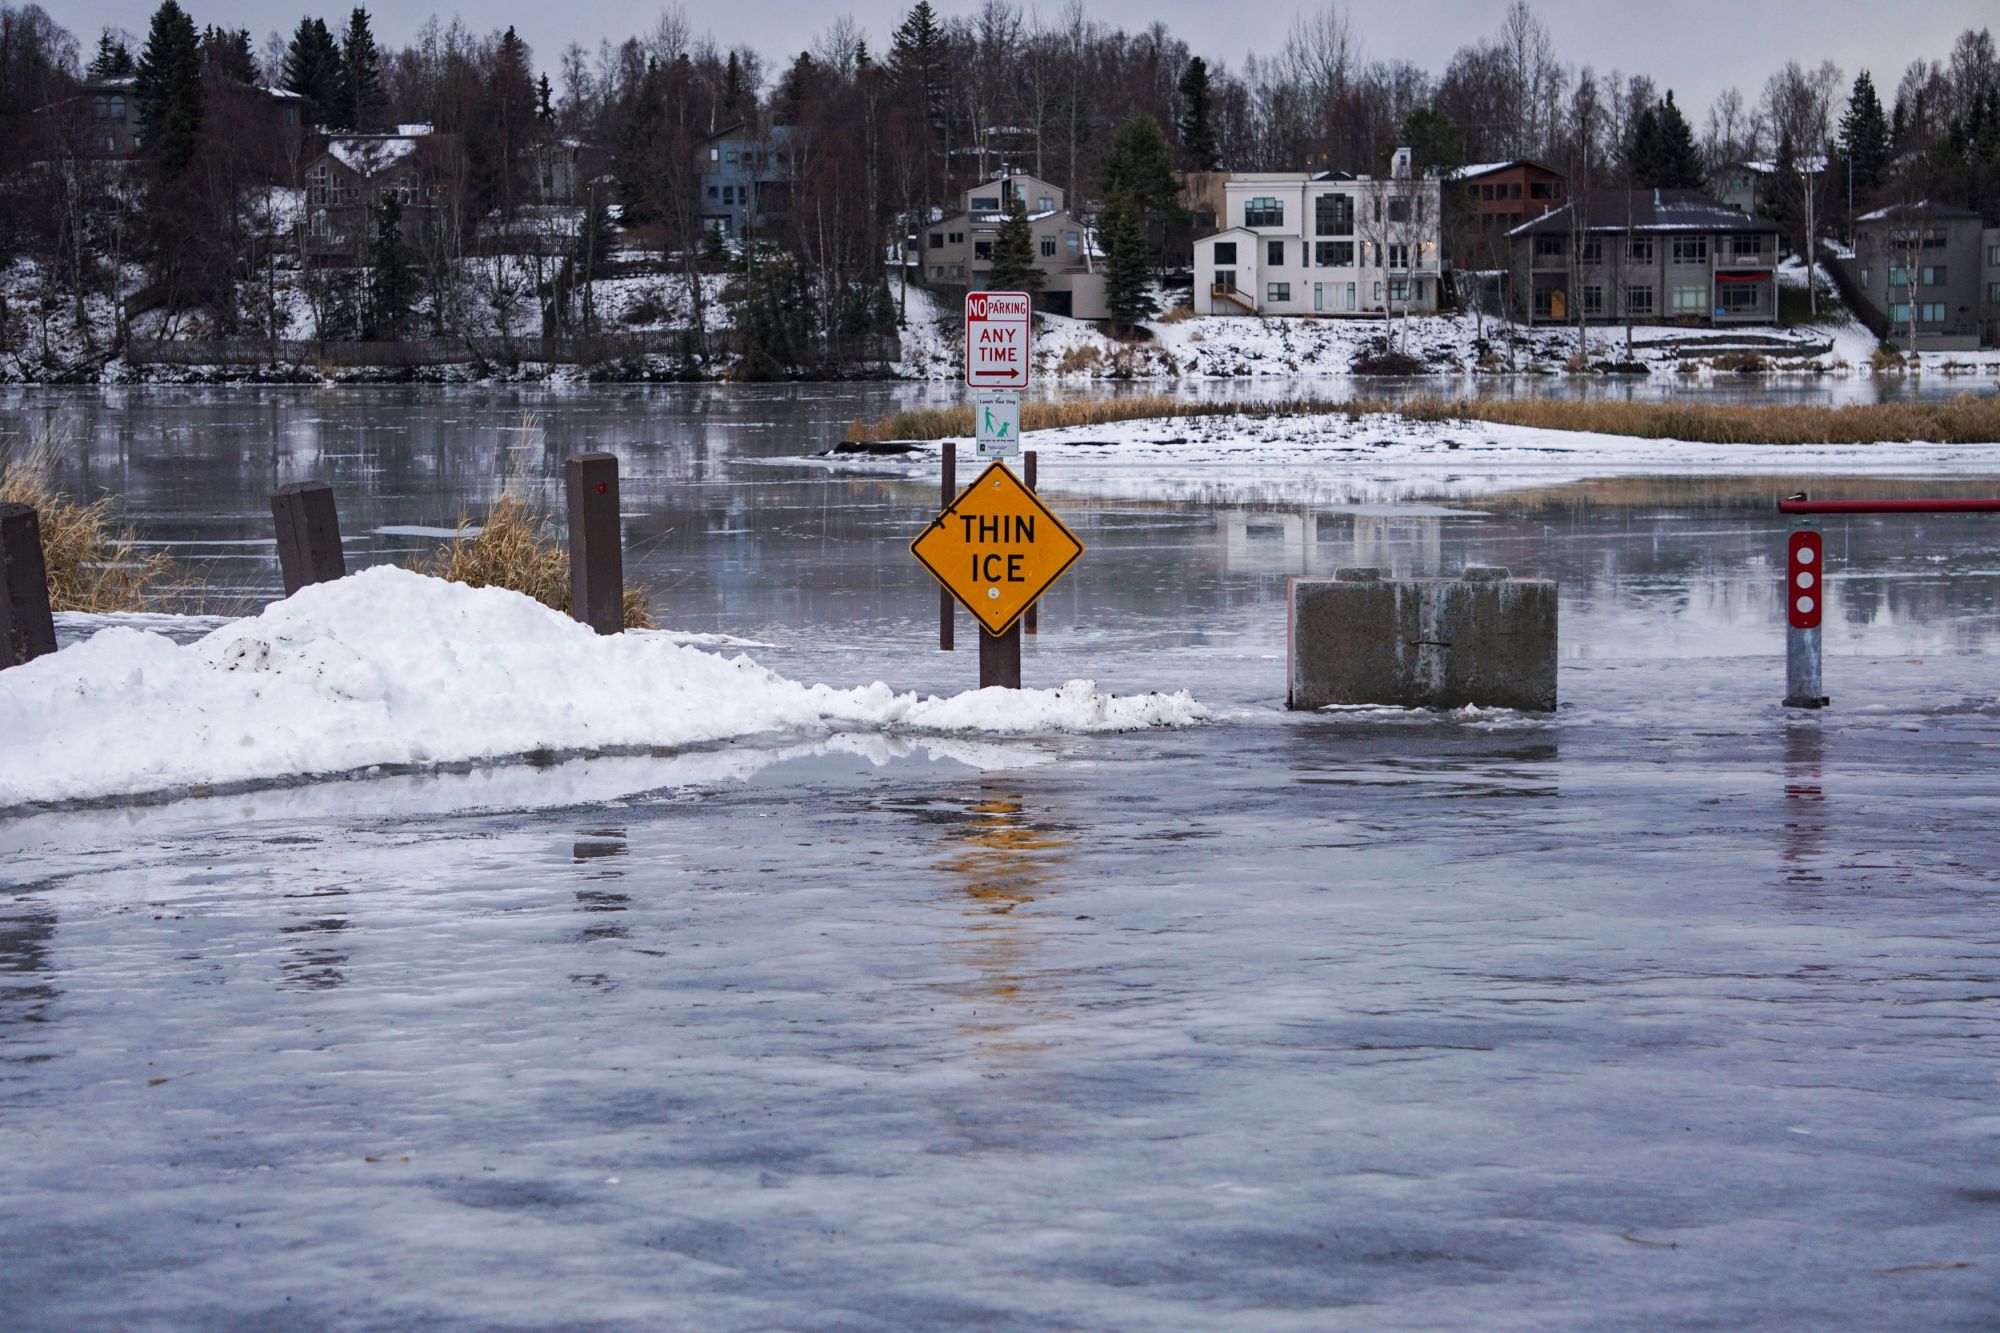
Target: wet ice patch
pixel 391 668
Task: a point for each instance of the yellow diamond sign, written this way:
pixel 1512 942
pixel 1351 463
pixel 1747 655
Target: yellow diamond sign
pixel 996 548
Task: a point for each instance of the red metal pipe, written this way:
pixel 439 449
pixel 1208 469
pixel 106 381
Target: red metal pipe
pixel 1889 506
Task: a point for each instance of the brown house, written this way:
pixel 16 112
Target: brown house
pixel 1493 198
pixel 346 182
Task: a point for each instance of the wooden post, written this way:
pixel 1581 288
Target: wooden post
pixel 596 551
pixel 27 630
pixel 1032 622
pixel 1000 658
pixel 945 619
pixel 309 548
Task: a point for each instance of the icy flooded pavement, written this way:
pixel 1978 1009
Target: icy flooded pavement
pixel 391 668
pixel 1318 458
pixel 1670 1011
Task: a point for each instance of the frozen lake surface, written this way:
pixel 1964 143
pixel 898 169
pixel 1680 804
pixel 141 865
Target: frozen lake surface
pixel 1669 1009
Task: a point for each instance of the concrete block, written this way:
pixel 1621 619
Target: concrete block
pixel 1484 639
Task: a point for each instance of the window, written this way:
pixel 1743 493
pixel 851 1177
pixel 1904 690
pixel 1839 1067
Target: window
pixel 937 240
pixel 1638 300
pixel 1549 246
pixel 1899 312
pixel 1070 244
pixel 1045 204
pixel 1277 291
pixel 1593 300
pixel 1399 256
pixel 1399 289
pixel 1264 211
pixel 1274 253
pixel 1541 190
pixel 1933 275
pixel 1486 192
pixel 1378 292
pixel 1746 247
pixel 1690 300
pixel 1225 252
pixel 729 155
pixel 715 154
pixel 1864 277
pixel 1593 250
pixel 1993 292
pixel 1514 191
pixel 729 194
pixel 982 249
pixel 958 238
pixel 1319 296
pixel 1333 215
pixel 1690 250
pixel 1898 277
pixel 1930 312
pixel 990 201
pixel 1993 256
pixel 1048 247
pixel 1399 210
pixel 1334 254
pixel 316 185
pixel 1740 298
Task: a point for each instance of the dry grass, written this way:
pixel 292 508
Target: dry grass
pixel 93 563
pixel 1178 315
pixel 1962 420
pixel 518 549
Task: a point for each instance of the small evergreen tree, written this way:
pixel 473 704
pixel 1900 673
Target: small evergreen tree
pixel 392 280
pixel 1127 269
pixel 226 54
pixel 113 59
pixel 1864 136
pixel 313 70
pixel 169 93
pixel 1197 136
pixel 545 102
pixel 1141 168
pixel 362 97
pixel 1014 267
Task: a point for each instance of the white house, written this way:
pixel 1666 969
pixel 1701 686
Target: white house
pixel 1326 243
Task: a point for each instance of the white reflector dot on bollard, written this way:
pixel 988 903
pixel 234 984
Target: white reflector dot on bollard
pixel 1805 578
pixel 1806 554
pixel 1805 605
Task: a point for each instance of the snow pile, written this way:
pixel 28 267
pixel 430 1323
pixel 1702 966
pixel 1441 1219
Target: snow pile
pixel 392 668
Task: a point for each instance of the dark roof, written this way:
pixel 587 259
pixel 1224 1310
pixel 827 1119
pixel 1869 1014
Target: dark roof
pixel 1649 210
pixel 1922 209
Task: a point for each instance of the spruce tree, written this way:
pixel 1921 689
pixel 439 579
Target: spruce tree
pixel 1642 150
pixel 226 54
pixel 392 281
pixel 1864 136
pixel 545 102
pixel 1127 269
pixel 1680 158
pixel 362 97
pixel 1141 168
pixel 1197 136
pixel 168 90
pixel 313 71
pixel 113 59
pixel 1014 267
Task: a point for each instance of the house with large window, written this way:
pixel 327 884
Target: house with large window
pixel 956 250
pixel 1929 270
pixel 1649 256
pixel 1324 243
pixel 348 178
pixel 745 179
pixel 1489 199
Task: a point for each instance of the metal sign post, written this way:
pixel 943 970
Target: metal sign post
pixel 996 548
pixel 1805 601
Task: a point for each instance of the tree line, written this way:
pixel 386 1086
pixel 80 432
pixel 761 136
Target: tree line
pixel 879 138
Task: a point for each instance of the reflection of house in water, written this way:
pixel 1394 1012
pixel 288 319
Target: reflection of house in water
pixel 1306 542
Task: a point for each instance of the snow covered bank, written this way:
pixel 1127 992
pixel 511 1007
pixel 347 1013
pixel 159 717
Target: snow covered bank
pixel 1384 458
pixel 391 668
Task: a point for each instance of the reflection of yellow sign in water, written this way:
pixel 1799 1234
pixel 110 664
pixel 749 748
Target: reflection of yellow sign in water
pixel 997 548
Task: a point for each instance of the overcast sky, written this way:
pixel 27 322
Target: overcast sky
pixel 1696 47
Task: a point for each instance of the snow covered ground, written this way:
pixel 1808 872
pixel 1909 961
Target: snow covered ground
pixel 392 669
pixel 1076 351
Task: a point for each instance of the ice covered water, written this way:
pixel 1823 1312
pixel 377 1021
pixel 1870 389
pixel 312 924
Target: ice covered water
pixel 1668 1008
